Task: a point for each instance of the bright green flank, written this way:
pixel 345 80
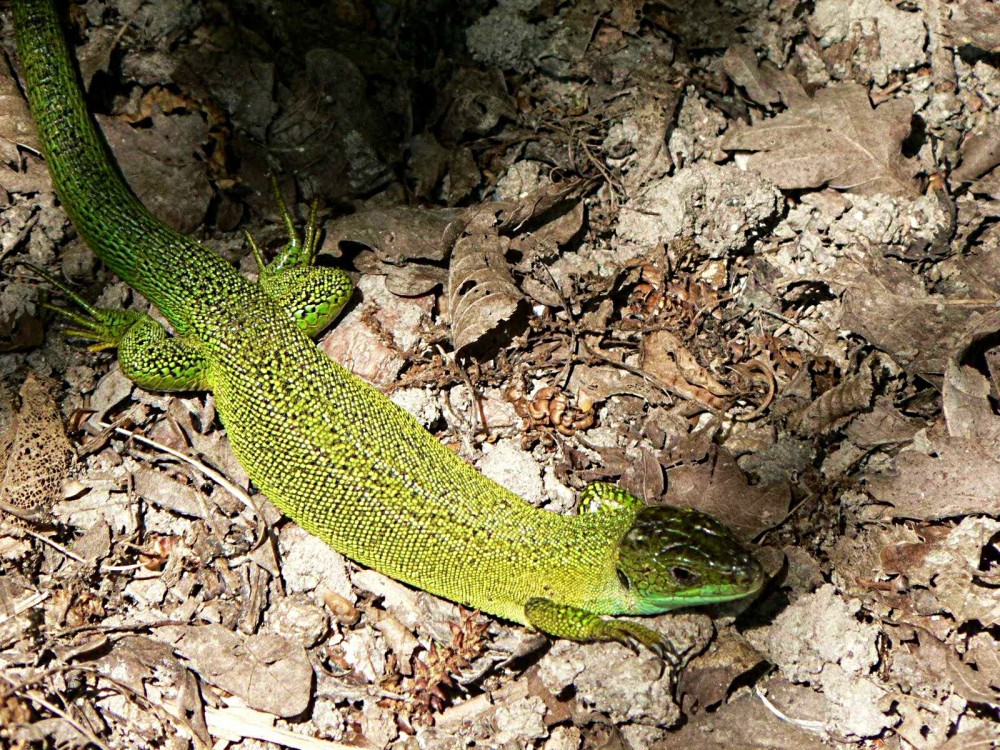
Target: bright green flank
pixel 330 451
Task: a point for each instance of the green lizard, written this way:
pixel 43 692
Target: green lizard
pixel 330 451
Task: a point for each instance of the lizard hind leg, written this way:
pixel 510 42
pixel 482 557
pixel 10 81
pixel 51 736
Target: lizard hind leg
pixel 147 354
pixel 312 295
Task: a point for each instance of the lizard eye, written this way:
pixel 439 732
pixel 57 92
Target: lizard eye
pixel 683 576
pixel 623 579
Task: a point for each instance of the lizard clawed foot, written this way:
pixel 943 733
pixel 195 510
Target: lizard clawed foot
pixel 147 355
pixel 565 621
pixel 312 295
pixel 104 327
pixel 635 636
pixel 299 251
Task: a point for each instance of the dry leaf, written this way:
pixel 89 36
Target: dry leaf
pixel 398 237
pixel 849 397
pixel 740 64
pixel 35 454
pixel 719 487
pixel 481 291
pixel 95 55
pixel 16 126
pixel 665 358
pixel 267 671
pixel 835 139
pixel 961 477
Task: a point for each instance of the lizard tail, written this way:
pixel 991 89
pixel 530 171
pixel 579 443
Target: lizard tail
pixel 134 244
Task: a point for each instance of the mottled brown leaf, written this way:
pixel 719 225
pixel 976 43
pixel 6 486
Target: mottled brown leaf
pixel 836 139
pixel 35 455
pixel 481 291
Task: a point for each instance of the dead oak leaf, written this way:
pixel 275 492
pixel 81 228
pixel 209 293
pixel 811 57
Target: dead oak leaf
pixel 835 139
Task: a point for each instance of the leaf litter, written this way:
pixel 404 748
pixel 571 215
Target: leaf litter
pixel 745 263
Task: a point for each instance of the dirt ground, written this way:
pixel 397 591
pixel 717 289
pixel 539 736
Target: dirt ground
pixel 739 256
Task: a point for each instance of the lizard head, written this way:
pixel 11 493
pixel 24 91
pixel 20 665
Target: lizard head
pixel 677 557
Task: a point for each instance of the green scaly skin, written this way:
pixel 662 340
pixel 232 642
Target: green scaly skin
pixel 333 453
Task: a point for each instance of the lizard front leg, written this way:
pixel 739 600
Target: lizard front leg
pixel 575 624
